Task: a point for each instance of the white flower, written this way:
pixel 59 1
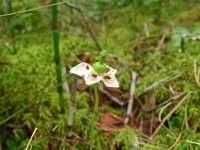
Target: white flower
pixel 91 76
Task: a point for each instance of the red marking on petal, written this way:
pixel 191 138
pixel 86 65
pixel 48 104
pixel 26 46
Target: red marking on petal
pixel 94 75
pixel 107 77
pixel 87 67
pixel 107 70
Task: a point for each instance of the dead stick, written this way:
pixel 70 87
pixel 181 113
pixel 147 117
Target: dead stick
pixel 86 21
pixel 120 61
pixel 65 84
pixel 29 142
pixel 114 99
pixel 71 106
pixel 166 102
pixel 157 83
pixel 131 99
pixel 178 138
pixel 168 115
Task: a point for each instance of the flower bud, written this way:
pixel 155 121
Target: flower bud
pixel 99 67
pixel 104 53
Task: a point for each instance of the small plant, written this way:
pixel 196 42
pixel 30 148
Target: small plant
pixel 92 75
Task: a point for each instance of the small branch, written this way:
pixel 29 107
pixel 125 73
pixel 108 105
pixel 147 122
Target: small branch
pixel 114 99
pixel 86 21
pixel 131 99
pixel 166 102
pixel 120 61
pixel 4 63
pixel 161 41
pixel 146 30
pixel 162 110
pixel 65 84
pixel 178 138
pixel 149 88
pixel 168 115
pixel 29 142
pixel 196 74
pixel 192 142
pixel 71 106
pixel 32 9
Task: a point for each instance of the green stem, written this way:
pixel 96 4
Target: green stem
pixel 57 54
pixel 12 31
pixel 94 115
pixel 102 60
pixel 18 112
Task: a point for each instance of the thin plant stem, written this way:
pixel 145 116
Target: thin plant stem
pixel 18 112
pixel 10 10
pixel 32 9
pixel 94 115
pixel 71 106
pixel 29 142
pixel 57 54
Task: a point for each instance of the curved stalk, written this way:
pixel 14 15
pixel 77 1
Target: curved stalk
pixel 94 116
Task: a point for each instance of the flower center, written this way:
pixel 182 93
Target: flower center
pixel 99 68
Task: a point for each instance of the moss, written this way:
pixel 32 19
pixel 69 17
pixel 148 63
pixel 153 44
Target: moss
pixel 28 73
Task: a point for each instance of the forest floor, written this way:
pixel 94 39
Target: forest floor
pixel 156 40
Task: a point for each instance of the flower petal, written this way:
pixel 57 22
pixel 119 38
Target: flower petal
pixel 110 70
pixel 81 69
pixel 110 80
pixel 92 78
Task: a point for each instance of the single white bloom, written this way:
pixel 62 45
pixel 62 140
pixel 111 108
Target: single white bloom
pixel 91 76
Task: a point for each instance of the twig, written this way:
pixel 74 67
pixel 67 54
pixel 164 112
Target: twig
pixel 146 30
pixel 197 143
pixel 120 61
pixel 71 106
pixel 29 10
pixel 152 101
pixel 196 74
pixel 166 102
pixel 171 112
pixel 162 110
pixel 153 146
pixel 161 41
pixel 131 99
pixel 4 63
pixel 173 135
pixel 114 99
pixel 178 138
pixel 29 142
pixel 86 21
pixel 157 83
pixel 65 84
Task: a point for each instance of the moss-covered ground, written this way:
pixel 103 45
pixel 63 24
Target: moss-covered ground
pixel 154 38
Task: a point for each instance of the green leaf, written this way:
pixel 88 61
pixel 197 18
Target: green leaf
pixel 11 144
pixel 19 134
pixel 15 21
pixel 177 34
